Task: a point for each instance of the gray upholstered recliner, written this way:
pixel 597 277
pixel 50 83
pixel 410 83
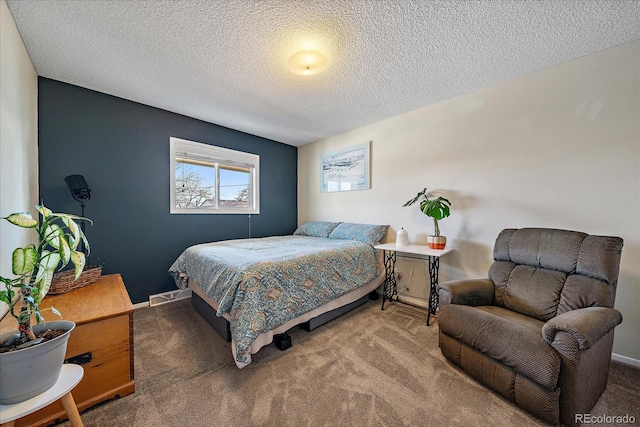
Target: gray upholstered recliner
pixel 539 330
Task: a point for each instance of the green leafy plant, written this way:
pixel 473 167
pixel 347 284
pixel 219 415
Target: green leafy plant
pixel 437 208
pixel 58 239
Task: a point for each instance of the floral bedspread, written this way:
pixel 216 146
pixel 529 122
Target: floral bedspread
pixel 262 283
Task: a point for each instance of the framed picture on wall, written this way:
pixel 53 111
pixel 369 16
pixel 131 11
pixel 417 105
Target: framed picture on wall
pixel 346 170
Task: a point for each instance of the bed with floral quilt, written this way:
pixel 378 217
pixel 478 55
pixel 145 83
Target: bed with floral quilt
pixel 265 286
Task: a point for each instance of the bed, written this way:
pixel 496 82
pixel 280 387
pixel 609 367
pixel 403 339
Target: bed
pixel 262 287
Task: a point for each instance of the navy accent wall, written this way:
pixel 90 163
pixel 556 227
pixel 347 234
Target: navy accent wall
pixel 122 149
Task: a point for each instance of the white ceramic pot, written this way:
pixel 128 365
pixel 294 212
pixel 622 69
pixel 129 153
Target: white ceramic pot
pixel 436 242
pixel 30 371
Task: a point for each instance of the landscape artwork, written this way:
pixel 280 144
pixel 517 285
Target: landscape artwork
pixel 345 170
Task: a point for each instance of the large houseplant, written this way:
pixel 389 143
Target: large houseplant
pixel 436 208
pixel 34 265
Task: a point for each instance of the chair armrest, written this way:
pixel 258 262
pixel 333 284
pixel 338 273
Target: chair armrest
pixel 585 325
pixel 466 292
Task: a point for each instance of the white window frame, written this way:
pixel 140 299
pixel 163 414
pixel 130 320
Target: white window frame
pixel 178 145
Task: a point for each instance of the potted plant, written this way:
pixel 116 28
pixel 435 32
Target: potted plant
pixel 41 347
pixel 436 208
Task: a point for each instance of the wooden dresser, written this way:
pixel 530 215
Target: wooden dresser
pixel 102 343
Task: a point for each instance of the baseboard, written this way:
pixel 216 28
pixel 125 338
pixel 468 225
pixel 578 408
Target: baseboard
pixel 418 302
pixel 626 360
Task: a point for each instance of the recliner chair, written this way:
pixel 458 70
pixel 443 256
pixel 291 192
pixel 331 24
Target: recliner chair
pixel 539 329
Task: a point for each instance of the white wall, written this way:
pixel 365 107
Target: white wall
pixel 18 138
pixel 558 148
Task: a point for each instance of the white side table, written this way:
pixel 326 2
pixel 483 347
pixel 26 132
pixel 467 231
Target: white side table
pixel 69 377
pixel 390 250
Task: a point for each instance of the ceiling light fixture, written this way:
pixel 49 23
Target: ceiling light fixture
pixel 307 63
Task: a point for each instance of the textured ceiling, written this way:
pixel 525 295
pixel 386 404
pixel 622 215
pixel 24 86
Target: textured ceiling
pixel 224 61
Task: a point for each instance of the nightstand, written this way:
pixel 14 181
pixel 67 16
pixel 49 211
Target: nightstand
pixel 430 256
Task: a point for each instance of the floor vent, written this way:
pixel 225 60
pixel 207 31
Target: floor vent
pixel 171 296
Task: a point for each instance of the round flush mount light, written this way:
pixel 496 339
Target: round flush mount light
pixel 307 63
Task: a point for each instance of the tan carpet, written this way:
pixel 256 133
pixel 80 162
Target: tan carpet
pixel 367 368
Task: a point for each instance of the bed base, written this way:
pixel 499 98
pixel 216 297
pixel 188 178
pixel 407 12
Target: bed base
pixel 327 317
pixel 221 325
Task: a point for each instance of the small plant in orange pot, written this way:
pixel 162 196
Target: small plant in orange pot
pixel 436 208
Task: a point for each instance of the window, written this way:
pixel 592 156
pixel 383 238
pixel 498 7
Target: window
pixel 210 179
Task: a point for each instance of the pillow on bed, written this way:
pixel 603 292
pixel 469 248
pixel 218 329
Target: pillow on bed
pixel 316 228
pixel 368 233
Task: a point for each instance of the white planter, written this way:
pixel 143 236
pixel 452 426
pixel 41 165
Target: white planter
pixel 30 371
